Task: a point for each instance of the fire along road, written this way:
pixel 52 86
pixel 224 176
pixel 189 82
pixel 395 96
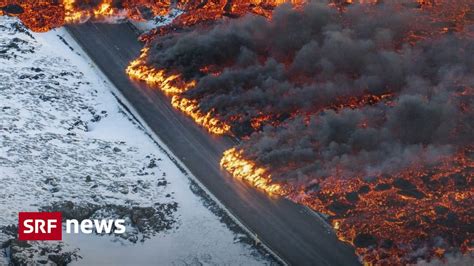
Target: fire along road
pixel 293 232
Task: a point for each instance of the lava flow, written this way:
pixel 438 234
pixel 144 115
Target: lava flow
pixel 44 15
pixel 418 213
pixel 248 171
pixel 174 86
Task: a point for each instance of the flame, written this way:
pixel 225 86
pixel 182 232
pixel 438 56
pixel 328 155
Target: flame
pixel 169 84
pixel 246 170
pixel 74 15
pixel 173 86
pixel 206 120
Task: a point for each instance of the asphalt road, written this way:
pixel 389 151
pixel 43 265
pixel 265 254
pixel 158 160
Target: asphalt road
pixel 292 231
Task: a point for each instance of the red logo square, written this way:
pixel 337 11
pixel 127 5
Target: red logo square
pixel 40 226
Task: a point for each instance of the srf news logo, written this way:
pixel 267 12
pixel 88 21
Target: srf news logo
pixel 40 226
pixel 45 226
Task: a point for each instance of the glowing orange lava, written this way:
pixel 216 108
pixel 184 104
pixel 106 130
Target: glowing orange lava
pixel 415 204
pixel 44 15
pixel 246 170
pixel 173 86
pixel 169 84
pixel 206 120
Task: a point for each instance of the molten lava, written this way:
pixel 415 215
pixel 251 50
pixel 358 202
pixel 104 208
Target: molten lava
pixel 44 15
pixel 206 120
pixel 248 171
pixel 173 86
pixel 169 84
pixel 387 218
pixel 37 14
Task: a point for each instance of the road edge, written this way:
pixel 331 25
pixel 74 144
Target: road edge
pixel 133 114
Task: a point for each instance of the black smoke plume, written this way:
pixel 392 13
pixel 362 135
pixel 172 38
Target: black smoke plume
pixel 350 101
pixel 302 63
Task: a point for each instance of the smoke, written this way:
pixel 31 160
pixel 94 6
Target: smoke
pixel 304 63
pixel 364 115
pixel 370 140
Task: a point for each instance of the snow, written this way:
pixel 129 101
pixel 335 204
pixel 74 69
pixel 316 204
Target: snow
pixel 145 26
pixel 65 138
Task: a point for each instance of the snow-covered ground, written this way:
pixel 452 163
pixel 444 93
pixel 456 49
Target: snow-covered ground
pixel 66 144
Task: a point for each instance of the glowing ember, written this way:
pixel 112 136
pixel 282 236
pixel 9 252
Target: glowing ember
pixel 248 171
pixel 207 120
pixel 169 84
pixel 173 86
pixel 424 209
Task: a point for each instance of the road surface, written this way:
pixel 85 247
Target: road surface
pixel 291 231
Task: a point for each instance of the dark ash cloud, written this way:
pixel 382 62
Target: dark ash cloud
pixel 304 61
